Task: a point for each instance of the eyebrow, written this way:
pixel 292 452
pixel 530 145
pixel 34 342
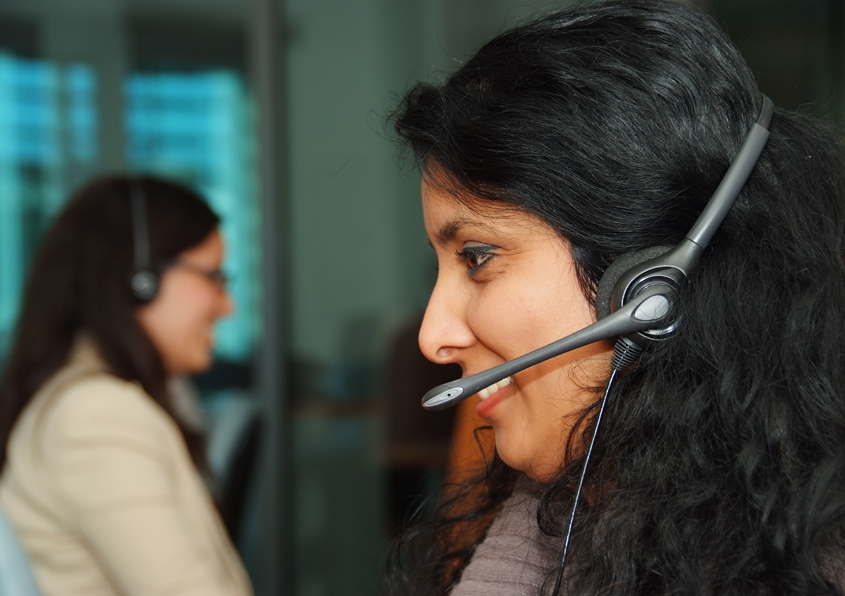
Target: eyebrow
pixel 450 229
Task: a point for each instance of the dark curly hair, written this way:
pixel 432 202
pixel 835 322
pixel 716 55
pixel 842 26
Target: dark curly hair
pixel 720 466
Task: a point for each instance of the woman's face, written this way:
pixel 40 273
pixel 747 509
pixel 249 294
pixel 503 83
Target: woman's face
pixel 180 320
pixel 507 285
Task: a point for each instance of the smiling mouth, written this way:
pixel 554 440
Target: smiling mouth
pixel 488 391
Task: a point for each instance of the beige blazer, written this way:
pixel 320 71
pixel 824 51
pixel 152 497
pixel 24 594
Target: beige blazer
pixel 104 496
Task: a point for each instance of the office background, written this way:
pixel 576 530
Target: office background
pixel 275 111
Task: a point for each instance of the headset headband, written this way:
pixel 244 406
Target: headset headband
pixel 139 227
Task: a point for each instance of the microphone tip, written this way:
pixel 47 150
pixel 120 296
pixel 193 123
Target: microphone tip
pixel 441 397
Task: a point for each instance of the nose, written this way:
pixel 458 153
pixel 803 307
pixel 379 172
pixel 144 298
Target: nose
pixel 445 332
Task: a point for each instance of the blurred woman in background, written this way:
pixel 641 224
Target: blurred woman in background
pixel 102 474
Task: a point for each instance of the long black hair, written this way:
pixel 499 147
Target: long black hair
pixel 79 283
pixel 720 465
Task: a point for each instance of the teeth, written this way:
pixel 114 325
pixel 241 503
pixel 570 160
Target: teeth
pixel 488 391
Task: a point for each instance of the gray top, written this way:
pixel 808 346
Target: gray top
pixel 515 556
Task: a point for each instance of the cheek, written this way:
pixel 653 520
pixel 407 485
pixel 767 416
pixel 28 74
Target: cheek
pixel 176 316
pixel 518 318
pixel 197 320
pixel 492 319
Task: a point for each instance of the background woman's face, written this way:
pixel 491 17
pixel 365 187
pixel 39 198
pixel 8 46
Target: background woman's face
pixel 507 285
pixel 180 320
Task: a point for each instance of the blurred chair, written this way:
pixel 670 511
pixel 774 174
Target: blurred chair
pixel 15 575
pixel 417 441
pixel 233 442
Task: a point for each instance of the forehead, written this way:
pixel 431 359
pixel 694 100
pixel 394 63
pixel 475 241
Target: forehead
pixel 210 249
pixel 448 214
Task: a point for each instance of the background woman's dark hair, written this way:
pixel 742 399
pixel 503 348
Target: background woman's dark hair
pixel 78 283
pixel 720 466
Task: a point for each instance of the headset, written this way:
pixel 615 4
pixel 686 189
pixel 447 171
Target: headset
pixel 637 294
pixel 144 281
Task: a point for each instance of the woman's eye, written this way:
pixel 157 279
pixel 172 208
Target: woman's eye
pixel 476 255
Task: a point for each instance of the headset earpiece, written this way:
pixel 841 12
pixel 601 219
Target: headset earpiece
pixel 144 280
pixel 144 285
pixel 617 269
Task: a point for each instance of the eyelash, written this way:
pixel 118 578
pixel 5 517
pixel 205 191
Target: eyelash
pixel 476 252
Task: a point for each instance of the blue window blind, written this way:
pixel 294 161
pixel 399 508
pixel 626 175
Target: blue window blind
pixel 80 86
pixel 197 128
pixel 39 104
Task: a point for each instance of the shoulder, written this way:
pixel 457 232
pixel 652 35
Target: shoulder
pixel 102 395
pixel 104 441
pixel 102 406
pixel 84 390
pixel 89 440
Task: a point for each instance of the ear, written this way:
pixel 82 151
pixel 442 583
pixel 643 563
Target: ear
pixel 617 269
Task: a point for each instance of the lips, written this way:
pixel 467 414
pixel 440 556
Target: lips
pixel 491 396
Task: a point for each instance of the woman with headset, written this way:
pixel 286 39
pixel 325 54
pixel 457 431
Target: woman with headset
pixel 559 165
pixel 102 474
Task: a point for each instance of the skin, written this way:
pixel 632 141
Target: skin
pixel 180 320
pixel 507 285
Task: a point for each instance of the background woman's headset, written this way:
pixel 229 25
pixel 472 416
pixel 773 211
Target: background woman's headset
pixel 144 280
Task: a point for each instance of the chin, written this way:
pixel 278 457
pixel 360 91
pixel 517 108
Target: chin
pixel 194 366
pixel 201 365
pixel 541 470
pixel 512 462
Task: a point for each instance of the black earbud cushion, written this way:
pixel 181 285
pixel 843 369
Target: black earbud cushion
pixel 617 269
pixel 143 284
